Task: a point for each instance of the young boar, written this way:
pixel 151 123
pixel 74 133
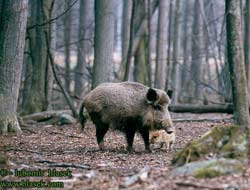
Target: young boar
pixel 129 107
pixel 162 138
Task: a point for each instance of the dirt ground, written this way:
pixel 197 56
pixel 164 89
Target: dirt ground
pixel 66 148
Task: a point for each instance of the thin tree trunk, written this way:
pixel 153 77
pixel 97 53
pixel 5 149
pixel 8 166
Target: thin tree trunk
pixel 185 66
pixel 207 70
pixel 176 37
pixel 126 19
pixel 169 42
pixel 49 13
pixel 149 68
pixel 131 39
pixel 104 36
pixel 13 22
pixel 236 63
pixel 67 39
pixel 196 53
pixel 160 72
pixel 140 66
pixel 83 47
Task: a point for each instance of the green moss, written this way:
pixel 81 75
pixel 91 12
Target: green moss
pixel 3 160
pixel 207 173
pixel 221 167
pixel 226 141
pixel 9 124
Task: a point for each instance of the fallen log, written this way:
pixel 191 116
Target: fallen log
pixel 212 120
pixel 46 115
pixel 201 108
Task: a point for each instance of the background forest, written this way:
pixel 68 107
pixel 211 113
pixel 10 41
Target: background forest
pixel 178 45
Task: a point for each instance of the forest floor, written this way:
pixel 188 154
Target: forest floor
pixel 66 148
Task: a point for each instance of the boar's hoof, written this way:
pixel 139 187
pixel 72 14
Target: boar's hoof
pixel 148 150
pixel 129 149
pixel 101 146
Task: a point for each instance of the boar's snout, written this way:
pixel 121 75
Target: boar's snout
pixel 167 125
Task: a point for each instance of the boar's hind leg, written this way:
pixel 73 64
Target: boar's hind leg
pixel 101 130
pixel 145 135
pixel 130 134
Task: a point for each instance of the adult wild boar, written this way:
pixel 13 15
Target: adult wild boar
pixel 129 107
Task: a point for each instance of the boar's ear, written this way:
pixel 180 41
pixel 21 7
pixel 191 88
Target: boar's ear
pixel 151 95
pixel 169 93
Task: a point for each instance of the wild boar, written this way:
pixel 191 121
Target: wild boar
pixel 129 107
pixel 162 138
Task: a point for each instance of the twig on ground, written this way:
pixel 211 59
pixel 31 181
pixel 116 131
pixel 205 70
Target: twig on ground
pixel 20 149
pixel 196 185
pixel 58 133
pixel 64 165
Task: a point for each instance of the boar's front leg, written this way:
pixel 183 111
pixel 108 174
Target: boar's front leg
pixel 145 135
pixel 101 130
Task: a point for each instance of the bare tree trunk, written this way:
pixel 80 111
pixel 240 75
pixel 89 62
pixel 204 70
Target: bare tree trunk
pixel 35 100
pixel 236 63
pixel 83 47
pixel 196 54
pixel 160 72
pixel 131 40
pixel 104 36
pixel 149 68
pixel 126 19
pixel 185 66
pixel 27 69
pixel 207 70
pixel 12 39
pixel 140 66
pixel 67 39
pixel 49 11
pixel 176 37
pixel 247 42
pixel 140 63
pixel 169 42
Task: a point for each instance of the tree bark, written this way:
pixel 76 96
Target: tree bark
pixel 140 58
pixel 140 63
pixel 160 72
pixel 185 66
pixel 13 22
pixel 139 33
pixel 126 19
pixel 176 37
pixel 236 63
pixel 149 68
pixel 35 100
pixel 49 12
pixel 247 42
pixel 130 47
pixel 196 54
pixel 83 47
pixel 104 36
pixel 169 46
pixel 67 40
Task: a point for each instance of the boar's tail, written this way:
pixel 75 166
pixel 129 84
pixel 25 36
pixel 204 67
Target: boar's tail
pixel 81 116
